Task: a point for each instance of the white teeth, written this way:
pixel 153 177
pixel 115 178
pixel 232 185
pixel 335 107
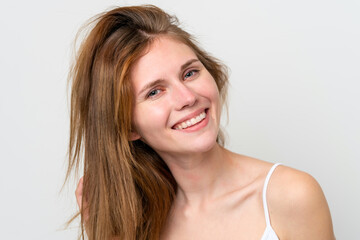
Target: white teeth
pixel 190 122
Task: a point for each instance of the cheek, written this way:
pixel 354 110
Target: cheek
pixel 209 89
pixel 149 117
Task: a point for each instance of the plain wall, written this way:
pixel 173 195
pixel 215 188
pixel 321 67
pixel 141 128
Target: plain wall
pixel 294 98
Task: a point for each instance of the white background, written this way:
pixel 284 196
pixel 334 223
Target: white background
pixel 294 97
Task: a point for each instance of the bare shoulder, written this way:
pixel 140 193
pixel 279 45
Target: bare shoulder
pixel 297 206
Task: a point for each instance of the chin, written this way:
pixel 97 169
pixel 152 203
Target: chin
pixel 204 144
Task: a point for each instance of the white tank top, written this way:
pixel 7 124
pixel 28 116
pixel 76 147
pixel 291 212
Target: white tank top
pixel 269 233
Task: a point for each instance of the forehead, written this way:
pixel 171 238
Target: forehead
pixel 164 56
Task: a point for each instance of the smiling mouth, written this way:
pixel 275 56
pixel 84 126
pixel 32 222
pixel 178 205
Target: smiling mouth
pixel 191 122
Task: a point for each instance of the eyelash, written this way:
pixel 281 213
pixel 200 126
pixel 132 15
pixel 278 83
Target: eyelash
pixel 194 71
pixel 149 94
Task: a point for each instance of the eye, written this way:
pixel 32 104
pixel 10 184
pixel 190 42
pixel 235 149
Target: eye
pixel 154 92
pixel 190 74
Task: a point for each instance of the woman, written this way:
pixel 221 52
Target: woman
pixel 145 108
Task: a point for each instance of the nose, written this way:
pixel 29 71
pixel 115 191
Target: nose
pixel 184 96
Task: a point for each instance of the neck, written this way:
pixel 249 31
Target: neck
pixel 200 177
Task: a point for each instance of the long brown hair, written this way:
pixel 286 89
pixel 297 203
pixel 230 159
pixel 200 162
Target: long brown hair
pixel 128 188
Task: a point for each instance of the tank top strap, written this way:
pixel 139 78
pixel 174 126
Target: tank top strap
pixel 266 211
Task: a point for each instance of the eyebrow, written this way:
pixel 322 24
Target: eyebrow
pixel 156 82
pixel 185 65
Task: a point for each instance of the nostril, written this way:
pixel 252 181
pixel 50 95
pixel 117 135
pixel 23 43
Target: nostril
pixel 189 104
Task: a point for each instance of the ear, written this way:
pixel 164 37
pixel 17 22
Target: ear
pixel 134 136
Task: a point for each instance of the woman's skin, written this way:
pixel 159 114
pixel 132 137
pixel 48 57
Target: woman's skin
pixel 219 192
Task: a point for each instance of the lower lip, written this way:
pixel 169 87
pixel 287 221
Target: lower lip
pixel 198 125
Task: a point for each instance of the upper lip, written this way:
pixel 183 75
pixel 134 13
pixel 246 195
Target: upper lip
pixel 190 116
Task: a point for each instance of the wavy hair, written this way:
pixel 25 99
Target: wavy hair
pixel 127 187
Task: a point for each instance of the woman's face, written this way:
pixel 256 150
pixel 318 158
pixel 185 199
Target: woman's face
pixel 176 107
